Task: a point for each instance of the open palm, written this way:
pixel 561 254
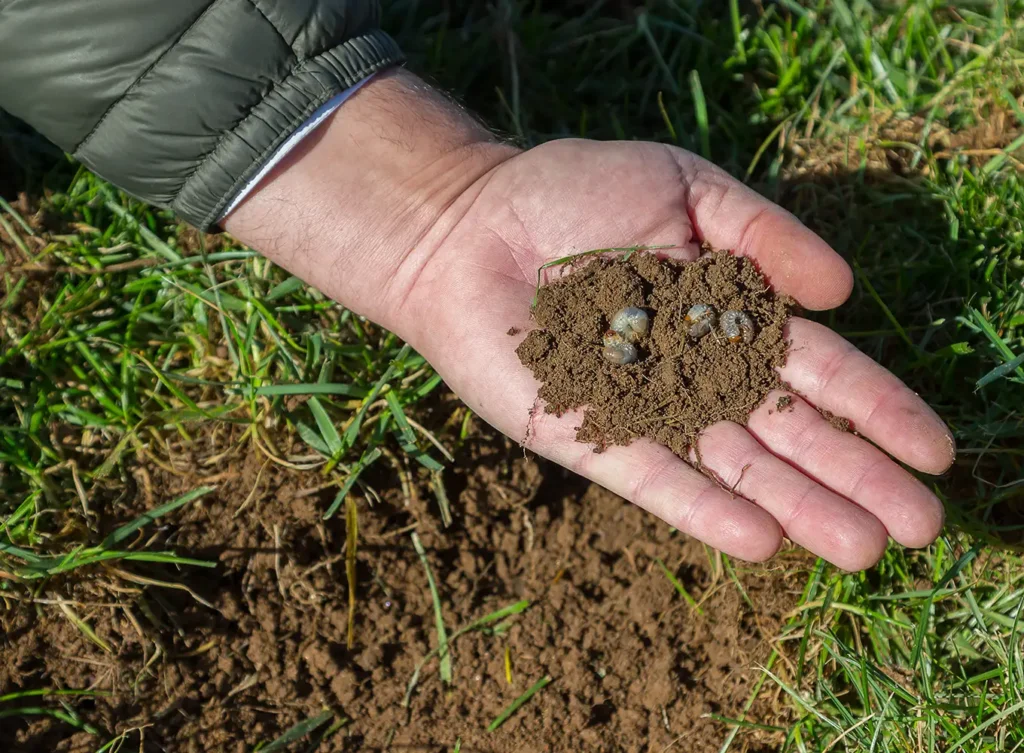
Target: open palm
pixel 792 473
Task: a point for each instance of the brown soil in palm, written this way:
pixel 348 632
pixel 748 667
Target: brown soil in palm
pixel 633 667
pixel 679 385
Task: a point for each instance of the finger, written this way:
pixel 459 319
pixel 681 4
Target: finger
pixel 652 477
pixel 834 375
pixel 850 467
pixel 812 516
pixel 728 215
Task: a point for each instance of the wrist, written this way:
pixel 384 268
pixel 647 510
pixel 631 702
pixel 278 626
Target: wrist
pixel 360 206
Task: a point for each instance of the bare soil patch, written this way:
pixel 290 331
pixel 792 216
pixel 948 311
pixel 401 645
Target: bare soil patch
pixel 633 667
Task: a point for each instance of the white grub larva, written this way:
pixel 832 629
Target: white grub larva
pixel 737 326
pixel 632 323
pixel 701 319
pixel 618 350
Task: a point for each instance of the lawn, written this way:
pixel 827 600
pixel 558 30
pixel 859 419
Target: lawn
pixel 893 129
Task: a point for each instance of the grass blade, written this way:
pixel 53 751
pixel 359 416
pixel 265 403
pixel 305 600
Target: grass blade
pixel 346 390
pixel 509 611
pixel 353 476
pixel 351 542
pixel 441 495
pixel 1000 371
pixel 700 107
pixel 922 627
pixel 885 309
pixel 326 426
pixel 518 702
pixel 442 635
pixel 357 422
pixel 285 288
pixel 64 716
pixel 84 627
pixel 679 587
pixel 297 732
pixel 122 533
pixel 37 692
pixel 406 437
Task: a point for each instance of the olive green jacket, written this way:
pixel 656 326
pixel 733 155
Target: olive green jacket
pixel 181 102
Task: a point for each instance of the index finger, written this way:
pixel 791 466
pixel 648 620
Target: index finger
pixel 729 215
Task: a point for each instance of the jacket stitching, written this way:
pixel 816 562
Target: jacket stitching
pixel 311 107
pixel 256 6
pixel 143 75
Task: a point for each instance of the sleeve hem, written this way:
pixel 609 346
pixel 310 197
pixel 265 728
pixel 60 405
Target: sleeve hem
pixel 241 153
pixel 314 121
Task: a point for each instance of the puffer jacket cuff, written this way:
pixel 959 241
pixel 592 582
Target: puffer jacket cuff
pixel 191 139
pixel 181 103
pixel 242 151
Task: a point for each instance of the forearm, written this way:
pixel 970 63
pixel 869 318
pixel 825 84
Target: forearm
pixel 362 203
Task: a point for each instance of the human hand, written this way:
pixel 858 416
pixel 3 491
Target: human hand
pixel 453 277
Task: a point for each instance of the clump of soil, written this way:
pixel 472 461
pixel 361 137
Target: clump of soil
pixel 679 385
pixel 838 422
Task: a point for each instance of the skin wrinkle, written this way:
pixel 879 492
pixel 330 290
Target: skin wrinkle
pixel 750 230
pixel 799 509
pixel 833 368
pixel 892 391
pixel 645 484
pixel 738 467
pixel 866 474
pixel 508 246
pixel 400 299
pixel 803 443
pixel 690 511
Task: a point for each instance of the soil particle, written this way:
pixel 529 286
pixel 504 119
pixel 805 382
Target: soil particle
pixel 785 402
pixel 679 384
pixel 838 422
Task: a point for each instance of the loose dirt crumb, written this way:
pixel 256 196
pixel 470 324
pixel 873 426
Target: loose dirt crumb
pixel 513 331
pixel 784 403
pixel 843 424
pixel 679 385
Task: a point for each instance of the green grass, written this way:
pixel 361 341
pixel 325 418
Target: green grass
pixel 445 666
pixel 493 622
pixel 126 333
pixel 301 730
pixel 513 707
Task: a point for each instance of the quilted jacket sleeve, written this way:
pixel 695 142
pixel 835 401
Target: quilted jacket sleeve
pixel 180 102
